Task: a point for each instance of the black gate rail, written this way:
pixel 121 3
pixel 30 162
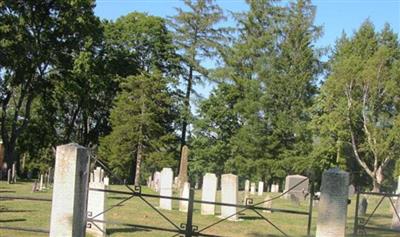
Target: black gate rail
pixel 26 229
pixel 361 225
pixel 188 229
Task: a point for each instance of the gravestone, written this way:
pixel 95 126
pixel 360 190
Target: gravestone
pixel 352 190
pixel 156 181
pixel 267 204
pixel 208 193
pixel 292 184
pixel 34 186
pixel 41 183
pixel 362 207
pixel 183 205
pixel 274 188
pixel 1 155
pixel 396 215
pixel 253 188
pixel 229 194
pixel 245 198
pixel 166 180
pixel 70 191
pixel 96 205
pixel 106 181
pixel 332 207
pixel 247 185
pixel 9 176
pixel 14 173
pixel 183 168
pixel 398 185
pixel 260 188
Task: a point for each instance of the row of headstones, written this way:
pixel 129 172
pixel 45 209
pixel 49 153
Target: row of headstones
pixel 45 181
pixel 251 188
pixel 70 197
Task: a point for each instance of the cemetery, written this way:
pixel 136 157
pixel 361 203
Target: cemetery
pixel 213 118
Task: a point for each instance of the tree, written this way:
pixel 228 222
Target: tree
pixel 38 42
pixel 360 99
pixel 142 125
pixel 197 39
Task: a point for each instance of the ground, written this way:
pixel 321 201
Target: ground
pixel 36 214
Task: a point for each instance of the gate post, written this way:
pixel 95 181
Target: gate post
pixel 68 208
pixel 189 220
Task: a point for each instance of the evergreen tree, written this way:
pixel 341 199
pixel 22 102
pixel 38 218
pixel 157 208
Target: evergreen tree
pixel 197 38
pixel 142 130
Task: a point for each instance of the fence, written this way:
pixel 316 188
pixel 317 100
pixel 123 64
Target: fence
pixel 362 224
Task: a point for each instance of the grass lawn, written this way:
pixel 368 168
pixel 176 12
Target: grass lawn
pixel 36 214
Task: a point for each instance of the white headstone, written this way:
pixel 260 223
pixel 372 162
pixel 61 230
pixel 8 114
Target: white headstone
pixel 41 183
pixel 166 180
pixel 398 185
pixel 106 181
pixel 260 188
pixel 229 194
pixel 208 193
pixel 247 186
pixel 332 207
pixel 253 188
pixel 396 215
pixel 183 205
pixel 352 190
pixel 156 179
pixel 96 207
pixel 298 186
pixel 71 176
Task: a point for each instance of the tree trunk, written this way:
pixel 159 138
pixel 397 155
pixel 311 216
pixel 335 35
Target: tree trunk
pixel 186 108
pixel 139 157
pixel 377 181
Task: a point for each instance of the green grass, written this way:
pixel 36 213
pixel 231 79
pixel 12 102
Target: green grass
pixel 36 214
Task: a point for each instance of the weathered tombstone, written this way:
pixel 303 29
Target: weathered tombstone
pixel 267 204
pixel 253 188
pixel 247 185
pixel 229 194
pixel 106 181
pixel 1 154
pixel 274 188
pixel 398 185
pixel 260 188
pixel 396 215
pixel 41 183
pixel 34 186
pixel 51 175
pixel 362 207
pixel 9 176
pixel 149 182
pixel 157 176
pixel 352 190
pixel 208 193
pixel 96 206
pixel 14 173
pixel 292 184
pixel 183 168
pixel 332 208
pixel 166 188
pixel 183 205
pixel 245 198
pixel 70 191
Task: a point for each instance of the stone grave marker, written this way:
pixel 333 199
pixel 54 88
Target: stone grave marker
pixel 41 183
pixel 291 183
pixel 332 208
pixel 247 185
pixel 362 207
pixel 183 167
pixel 398 185
pixel 396 215
pixel 352 190
pixel 260 188
pixel 183 205
pixel 229 194
pixel 166 180
pixel 208 193
pixel 253 188
pixel 106 181
pixel 156 179
pixel 267 204
pixel 14 173
pixel 96 205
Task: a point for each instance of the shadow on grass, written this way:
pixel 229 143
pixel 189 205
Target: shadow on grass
pixel 250 218
pixel 7 191
pixel 12 211
pixel 12 220
pixel 263 235
pixel 125 230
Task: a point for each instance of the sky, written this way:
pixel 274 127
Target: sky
pixel 335 16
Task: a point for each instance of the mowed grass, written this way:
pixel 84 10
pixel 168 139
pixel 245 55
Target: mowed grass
pixel 35 214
